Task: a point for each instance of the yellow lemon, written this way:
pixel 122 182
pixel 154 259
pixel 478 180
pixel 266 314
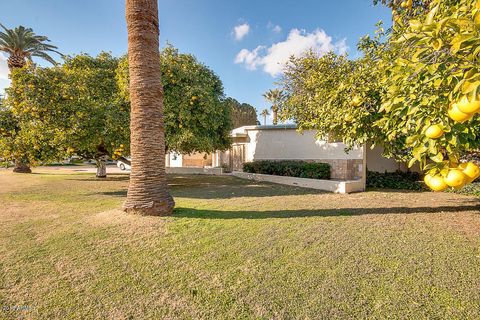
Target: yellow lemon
pixel 427 179
pixel 455 114
pixel 466 106
pixel 455 178
pixel 471 171
pixel 437 183
pixel 434 131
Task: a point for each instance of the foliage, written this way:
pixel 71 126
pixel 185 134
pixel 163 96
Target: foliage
pixel 196 119
pixel 472 189
pixel 69 109
pixel 395 180
pixel 242 114
pixel 435 64
pixel 338 97
pixel 22 43
pixel 289 168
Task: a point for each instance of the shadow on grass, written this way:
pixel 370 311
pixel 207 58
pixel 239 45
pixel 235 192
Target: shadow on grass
pixel 219 187
pixel 91 177
pixel 215 214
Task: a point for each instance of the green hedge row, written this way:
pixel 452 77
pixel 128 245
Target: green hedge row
pixel 289 168
pixel 395 180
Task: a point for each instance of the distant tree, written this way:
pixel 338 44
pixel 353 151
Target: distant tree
pixel 21 44
pixel 275 97
pixel 196 119
pixel 242 114
pixel 265 114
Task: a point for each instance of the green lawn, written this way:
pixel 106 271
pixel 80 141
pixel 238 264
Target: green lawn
pixel 234 250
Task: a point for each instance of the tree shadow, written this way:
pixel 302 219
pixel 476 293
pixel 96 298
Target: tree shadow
pixel 228 187
pixel 117 177
pixel 216 214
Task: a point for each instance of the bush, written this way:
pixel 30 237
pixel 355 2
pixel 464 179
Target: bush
pixel 472 189
pixel 289 168
pixel 395 180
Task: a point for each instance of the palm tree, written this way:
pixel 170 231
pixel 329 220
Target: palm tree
pixel 148 190
pixel 21 44
pixel 275 97
pixel 264 114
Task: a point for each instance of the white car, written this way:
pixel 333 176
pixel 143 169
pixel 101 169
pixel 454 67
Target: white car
pixel 124 163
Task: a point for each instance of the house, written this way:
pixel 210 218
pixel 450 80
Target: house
pixel 284 142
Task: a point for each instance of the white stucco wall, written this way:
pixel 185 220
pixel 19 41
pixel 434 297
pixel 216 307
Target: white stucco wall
pixel 278 144
pixel 376 162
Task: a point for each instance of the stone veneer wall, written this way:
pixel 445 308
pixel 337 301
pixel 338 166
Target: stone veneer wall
pixel 344 169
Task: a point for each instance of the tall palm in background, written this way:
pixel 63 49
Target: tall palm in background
pixel 265 114
pixel 21 44
pixel 148 190
pixel 275 97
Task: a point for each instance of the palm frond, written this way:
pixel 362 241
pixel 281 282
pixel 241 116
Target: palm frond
pixel 22 39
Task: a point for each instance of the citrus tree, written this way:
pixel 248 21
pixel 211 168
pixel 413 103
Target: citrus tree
pixel 338 97
pixel 70 109
pixel 433 85
pixel 196 119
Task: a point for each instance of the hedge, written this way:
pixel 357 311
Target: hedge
pixel 289 168
pixel 395 180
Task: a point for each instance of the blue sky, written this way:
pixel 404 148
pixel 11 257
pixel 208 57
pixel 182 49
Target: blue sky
pixel 244 42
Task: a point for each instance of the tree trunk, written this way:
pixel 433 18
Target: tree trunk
pixel 16 61
pixel 101 167
pixel 148 190
pixel 275 117
pixel 264 120
pixel 21 167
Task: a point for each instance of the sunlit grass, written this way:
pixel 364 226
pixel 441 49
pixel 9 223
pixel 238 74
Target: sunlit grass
pixel 234 249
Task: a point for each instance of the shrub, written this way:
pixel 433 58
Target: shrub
pixel 472 189
pixel 395 180
pixel 289 168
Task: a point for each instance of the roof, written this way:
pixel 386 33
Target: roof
pixel 242 131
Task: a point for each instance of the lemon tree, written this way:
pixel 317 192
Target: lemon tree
pixel 433 89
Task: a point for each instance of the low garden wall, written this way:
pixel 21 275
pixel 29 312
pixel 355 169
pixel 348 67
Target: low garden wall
pixel 193 170
pixel 335 186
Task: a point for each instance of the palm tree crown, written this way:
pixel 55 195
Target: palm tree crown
pixel 22 44
pixel 275 97
pixel 265 114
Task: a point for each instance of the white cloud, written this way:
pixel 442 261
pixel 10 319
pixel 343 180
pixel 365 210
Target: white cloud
pixel 277 29
pixel 4 81
pixel 3 67
pixel 241 31
pixel 274 28
pixel 274 58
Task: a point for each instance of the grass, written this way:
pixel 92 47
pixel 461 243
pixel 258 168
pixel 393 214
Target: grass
pixel 234 250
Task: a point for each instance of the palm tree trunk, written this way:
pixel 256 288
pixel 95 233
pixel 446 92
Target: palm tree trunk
pixel 16 61
pixel 275 117
pixel 264 119
pixel 148 190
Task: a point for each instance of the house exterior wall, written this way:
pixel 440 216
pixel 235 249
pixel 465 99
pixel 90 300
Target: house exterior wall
pixel 377 162
pixel 288 144
pixel 284 144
